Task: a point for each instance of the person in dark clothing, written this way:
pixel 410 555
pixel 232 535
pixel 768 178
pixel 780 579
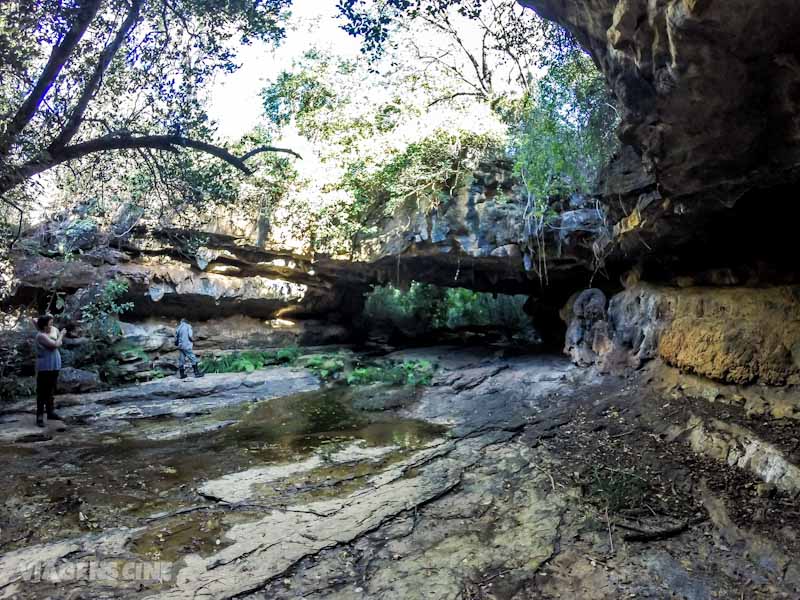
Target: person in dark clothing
pixel 48 364
pixel 184 340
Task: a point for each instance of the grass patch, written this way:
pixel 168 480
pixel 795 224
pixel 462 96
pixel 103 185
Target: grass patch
pixel 325 366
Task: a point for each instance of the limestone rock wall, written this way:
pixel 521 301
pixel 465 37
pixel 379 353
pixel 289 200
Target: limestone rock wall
pixel 734 335
pixel 477 238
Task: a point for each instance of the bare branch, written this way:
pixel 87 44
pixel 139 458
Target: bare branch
pixel 262 149
pixel 454 96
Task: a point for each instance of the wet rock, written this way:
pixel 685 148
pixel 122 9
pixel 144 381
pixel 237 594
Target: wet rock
pixel 245 486
pixel 37 569
pixel 492 510
pixel 280 540
pixel 381 397
pixel 179 398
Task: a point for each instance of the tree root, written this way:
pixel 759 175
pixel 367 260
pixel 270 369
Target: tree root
pixel 642 535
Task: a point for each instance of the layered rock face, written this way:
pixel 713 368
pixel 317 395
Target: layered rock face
pixel 709 97
pixel 222 277
pixel 237 296
pixel 478 239
pixel 733 335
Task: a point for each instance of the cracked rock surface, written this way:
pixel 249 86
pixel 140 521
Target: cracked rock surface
pixel 507 477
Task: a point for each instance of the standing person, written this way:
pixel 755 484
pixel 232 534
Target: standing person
pixel 48 364
pixel 184 340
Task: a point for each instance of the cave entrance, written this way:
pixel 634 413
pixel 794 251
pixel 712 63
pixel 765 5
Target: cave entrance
pixel 424 314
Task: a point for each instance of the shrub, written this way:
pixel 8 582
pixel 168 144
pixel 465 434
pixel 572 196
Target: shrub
pixel 424 308
pixel 103 312
pixel 249 361
pixel 325 366
pixel 409 372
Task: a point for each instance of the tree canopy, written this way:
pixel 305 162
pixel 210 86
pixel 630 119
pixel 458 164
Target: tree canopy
pixel 113 92
pixel 81 78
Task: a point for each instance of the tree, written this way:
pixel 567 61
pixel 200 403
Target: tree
pixel 562 125
pixel 82 78
pixel 387 147
pixel 488 53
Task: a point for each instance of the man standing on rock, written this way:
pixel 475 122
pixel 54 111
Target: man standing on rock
pixel 184 340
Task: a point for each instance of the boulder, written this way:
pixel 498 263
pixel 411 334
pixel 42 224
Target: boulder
pixel 587 327
pixel 733 335
pixel 74 381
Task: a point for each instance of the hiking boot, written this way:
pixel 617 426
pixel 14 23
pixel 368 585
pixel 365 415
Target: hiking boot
pixel 40 421
pixel 182 373
pixel 197 371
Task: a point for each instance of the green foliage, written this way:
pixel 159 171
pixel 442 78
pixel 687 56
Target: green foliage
pixel 249 361
pixel 413 311
pixel 463 308
pixel 325 366
pixel 424 307
pixel 328 366
pixel 110 372
pixel 425 173
pixel 151 84
pixel 408 372
pixel 321 96
pixel 287 355
pixel 380 162
pixel 298 96
pixel 564 135
pixel 102 313
pixel 14 387
pixel 128 351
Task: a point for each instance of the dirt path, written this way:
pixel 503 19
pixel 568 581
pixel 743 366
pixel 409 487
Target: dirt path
pixel 507 478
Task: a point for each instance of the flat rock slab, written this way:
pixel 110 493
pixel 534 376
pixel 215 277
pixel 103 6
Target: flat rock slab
pixel 264 550
pixel 22 428
pixel 243 486
pixel 180 397
pixel 499 393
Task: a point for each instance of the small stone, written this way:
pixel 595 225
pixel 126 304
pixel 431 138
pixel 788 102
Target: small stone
pixel 765 489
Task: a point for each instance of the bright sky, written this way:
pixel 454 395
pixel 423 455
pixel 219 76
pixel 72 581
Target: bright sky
pixel 235 100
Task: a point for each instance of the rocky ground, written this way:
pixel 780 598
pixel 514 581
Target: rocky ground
pixel 509 477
